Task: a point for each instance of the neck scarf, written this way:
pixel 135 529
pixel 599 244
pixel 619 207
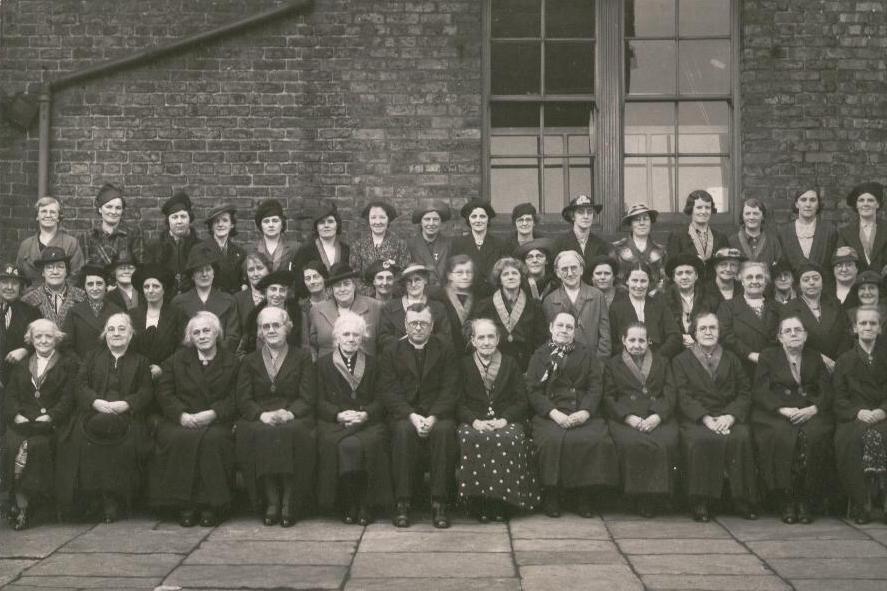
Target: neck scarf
pixel 273 364
pixel 752 247
pixel 509 318
pixel 703 241
pixel 38 377
pixel 462 311
pixel 642 372
pixel 556 357
pixel 352 377
pixel 488 373
pixel 710 361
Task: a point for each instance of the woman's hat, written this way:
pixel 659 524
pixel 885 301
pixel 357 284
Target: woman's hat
pixel 868 277
pixel 728 253
pixel 682 259
pixel 124 257
pixel 636 210
pixel 466 210
pixel 874 189
pixel 95 270
pixel 389 210
pixel 414 269
pixel 106 428
pixel 9 271
pixel 178 202
pixel 429 205
pixel 268 208
pixel 807 267
pixel 52 254
pixel 279 277
pixel 154 271
pixel 845 254
pixel 341 272
pixel 219 210
pixel 603 260
pixel 315 265
pixel 107 193
pixel 544 244
pixel 201 254
pixel 377 267
pixel 581 200
pixel 326 208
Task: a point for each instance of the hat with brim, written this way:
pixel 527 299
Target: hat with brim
pixel 369 275
pixel 9 271
pixel 200 256
pixel 578 201
pixel 340 272
pixel 266 209
pixel 845 254
pixel 807 267
pixel 727 254
pixel 389 210
pixel 681 260
pixel 315 265
pixel 124 257
pixel 95 271
pixel 52 254
pixel 636 210
pixel 545 245
pixel 603 260
pixel 429 205
pixel 781 266
pixel 219 210
pixel 154 271
pixel 178 202
pixel 414 269
pixel 279 277
pixel 868 277
pixel 466 210
pixel 106 428
pixel 876 190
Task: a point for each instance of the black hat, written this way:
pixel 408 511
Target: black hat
pixel 219 210
pixel 124 257
pixel 874 189
pixel 806 267
pixel 728 253
pixel 845 254
pixel 316 265
pixel 429 205
pixel 9 271
pixel 379 265
pixel 340 272
pixel 201 254
pixel 683 259
pixel 92 269
pixel 466 210
pixel 389 210
pixel 581 200
pixel 326 209
pixel 523 209
pixel 105 428
pixel 544 244
pixel 52 254
pixel 268 208
pixel 279 277
pixel 154 271
pixel 178 202
pixel 781 266
pixel 107 193
pixel 868 276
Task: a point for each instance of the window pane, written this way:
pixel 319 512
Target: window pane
pixel 650 181
pixel 554 145
pixel 569 18
pixel 554 185
pixel 568 115
pixel 514 114
pixel 704 127
pixel 649 128
pixel 579 177
pixel 651 67
pixel 516 18
pixel 649 18
pixel 705 17
pixel 705 67
pixel 569 67
pixel 579 144
pixel 515 68
pixel 513 181
pixel 710 174
pixel 514 145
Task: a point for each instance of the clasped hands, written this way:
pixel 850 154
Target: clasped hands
pixel 116 407
pixel 20 419
pixel 422 424
pixel 720 425
pixel 352 418
pixel 871 417
pixel 568 421
pixel 276 417
pixel 489 424
pixel 198 419
pixel 643 425
pixel 798 416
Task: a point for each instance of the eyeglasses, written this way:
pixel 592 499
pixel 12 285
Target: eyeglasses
pixel 572 269
pixel 270 325
pixel 795 330
pixel 418 324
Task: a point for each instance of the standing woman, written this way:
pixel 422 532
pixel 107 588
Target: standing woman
pixel 457 298
pixel 685 297
pixel 413 282
pixel 49 233
pixel 193 462
pixel 327 246
pixel 518 318
pixel 752 239
pixel 38 400
pixel 380 244
pixel 783 282
pixel 255 266
pixel 714 396
pixel 102 454
pixel 639 246
pixel 792 422
pixel 430 246
pixel 661 332
pixel 699 239
pixel 277 289
pixel 271 221
pixel 808 239
pixel 639 399
pixel 222 226
pixel 480 244
pixel 102 245
pixel 158 324
pixel 867 292
pixel 867 235
pixel 603 276
pixel 172 247
pixel 573 445
pixel 343 284
pixel 275 442
pixel 54 298
pixel 524 218
pixel 537 256
pixel 492 411
pixel 85 320
pixel 352 439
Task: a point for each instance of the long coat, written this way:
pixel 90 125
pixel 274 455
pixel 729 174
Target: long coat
pixel 508 398
pixel 190 464
pixel 581 456
pixel 831 334
pixel 219 303
pixel 594 247
pixel 775 436
pixel 528 333
pixel 679 242
pixel 229 273
pixel 287 449
pixel 393 316
pixel 702 302
pixel 310 251
pixel 744 332
pixel 324 315
pixel 29 251
pixel 250 339
pixel 102 249
pixel 648 461
pixel 663 334
pixel 590 312
pixel 82 328
pixel 282 257
pixel 13 337
pixel 493 249
pixel 173 254
pixel 849 236
pixel 825 241
pixel 859 384
pixel 335 395
pixel 433 256
pixel 38 298
pixel 709 456
pixel 159 342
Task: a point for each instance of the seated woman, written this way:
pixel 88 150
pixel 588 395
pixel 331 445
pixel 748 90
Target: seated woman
pixel 860 383
pixel 277 288
pixel 640 401
pixel 713 401
pixel 275 443
pixel 85 320
pixel 38 399
pixel 193 461
pixel 313 278
pixel 573 446
pixel 637 305
pixel 352 439
pixel 457 299
pixel 791 421
pixel 101 455
pixel 492 411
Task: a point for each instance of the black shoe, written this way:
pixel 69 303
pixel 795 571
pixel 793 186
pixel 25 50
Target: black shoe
pixel 804 515
pixel 349 517
pixel 551 505
pixel 187 518
pixel 500 512
pixel 110 510
pixel 208 518
pixel 22 520
pixel 288 516
pixel 481 508
pixel 402 514
pixel 272 515
pixel 646 509
pixel 583 506
pixel 747 511
pixel 700 512
pixel 364 516
pixel 439 517
pixel 789 514
pixel 862 517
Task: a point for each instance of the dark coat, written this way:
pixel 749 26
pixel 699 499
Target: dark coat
pixel 245 305
pixel 831 335
pixel 575 386
pixel 13 338
pixel 250 332
pixel 591 314
pixel 530 331
pixel 825 241
pixel 173 254
pixel 405 391
pixel 221 304
pixel 594 247
pixel 160 342
pixel 729 393
pixel 493 249
pixel 743 332
pixel 679 242
pixel 624 395
pixel 308 252
pixel 508 398
pixel 702 302
pixel 82 328
pixel 768 252
pixel 229 269
pixel 393 316
pixel 294 389
pixel 663 333
pixel 456 330
pixel 849 236
pixel 434 257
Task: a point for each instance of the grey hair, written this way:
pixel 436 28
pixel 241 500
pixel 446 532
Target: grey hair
pixel 44 324
pixel 116 318
pixel 203 316
pixel 348 319
pixel 278 312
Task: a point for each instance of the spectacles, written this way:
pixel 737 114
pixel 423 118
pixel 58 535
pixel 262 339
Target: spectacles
pixel 270 325
pixel 418 324
pixel 795 330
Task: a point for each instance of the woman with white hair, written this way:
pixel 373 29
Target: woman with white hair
pixel 353 465
pixel 101 455
pixel 193 462
pixel 38 398
pixel 275 442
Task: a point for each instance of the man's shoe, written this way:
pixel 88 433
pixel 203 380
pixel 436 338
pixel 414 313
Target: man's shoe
pixel 402 514
pixel 439 517
pixel 187 518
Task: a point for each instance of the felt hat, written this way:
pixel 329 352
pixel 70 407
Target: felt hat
pixel 154 271
pixel 106 428
pixel 219 210
pixel 523 209
pixel 10 271
pixel 872 188
pixel 636 210
pixel 268 208
pixel 369 275
pixel 279 277
pixel 544 244
pixel 201 254
pixel 341 272
pixel 108 192
pixel 581 200
pixel 845 254
pixel 95 270
pixel 429 205
pixel 682 259
pixel 178 202
pixel 728 253
pixel 413 269
pixel 52 254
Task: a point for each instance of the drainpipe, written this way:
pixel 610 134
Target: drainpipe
pixel 140 57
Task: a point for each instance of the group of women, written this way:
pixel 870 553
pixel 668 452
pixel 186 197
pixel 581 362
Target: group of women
pixel 713 365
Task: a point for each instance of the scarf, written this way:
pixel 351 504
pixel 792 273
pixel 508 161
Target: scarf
pixel 355 378
pixel 556 355
pixel 642 372
pixel 462 311
pixel 709 361
pixel 704 245
pixel 867 239
pixel 509 319
pixel 752 251
pixel 273 365
pixel 488 373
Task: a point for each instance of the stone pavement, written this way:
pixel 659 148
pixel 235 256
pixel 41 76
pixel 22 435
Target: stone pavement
pixel 613 553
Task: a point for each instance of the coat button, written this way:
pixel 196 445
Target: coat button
pixel 43 411
pixel 788 392
pixel 573 390
pixel 633 397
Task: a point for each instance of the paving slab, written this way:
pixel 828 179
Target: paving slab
pixel 312 530
pixel 431 565
pixel 147 541
pixel 771 528
pixel 37 542
pixel 106 565
pixel 458 525
pixel 512 584
pixel 291 552
pixel 681 546
pixel 579 577
pixel 66 582
pixel 830 568
pixel 10 569
pixel 256 577
pixel 649 529
pixel 698 564
pixel 818 549
pixel 838 585
pixel 710 582
pixel 878 534
pixel 408 540
pixel 530 552
pixel 569 527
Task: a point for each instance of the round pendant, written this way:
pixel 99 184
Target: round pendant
pixel 510 338
pixel 273 388
pixel 36 393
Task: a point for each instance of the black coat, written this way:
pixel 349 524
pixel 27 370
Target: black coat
pixel 173 255
pixel 493 249
pixel 679 242
pixel 575 386
pixel 825 241
pixel 743 332
pixel 663 333
pixel 831 334
pixel 82 328
pixel 433 392
pixel 393 316
pixel 624 395
pixel 308 252
pixel 160 342
pixel 728 393
pixel 849 236
pixel 229 269
pixel 594 247
pixel 13 338
pixel 528 333
pixel 702 302
pixel 294 388
pixel 456 330
pixel 508 398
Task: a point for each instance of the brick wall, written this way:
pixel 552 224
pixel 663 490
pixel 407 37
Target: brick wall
pixel 350 101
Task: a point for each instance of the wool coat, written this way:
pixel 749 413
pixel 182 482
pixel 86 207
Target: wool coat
pixel 742 331
pixel 849 236
pixel 590 312
pixel 484 257
pixel 830 335
pixel 663 334
pixel 594 247
pixel 82 328
pixel 323 316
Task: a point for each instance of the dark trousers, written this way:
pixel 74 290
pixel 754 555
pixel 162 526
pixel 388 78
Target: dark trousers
pixel 406 453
